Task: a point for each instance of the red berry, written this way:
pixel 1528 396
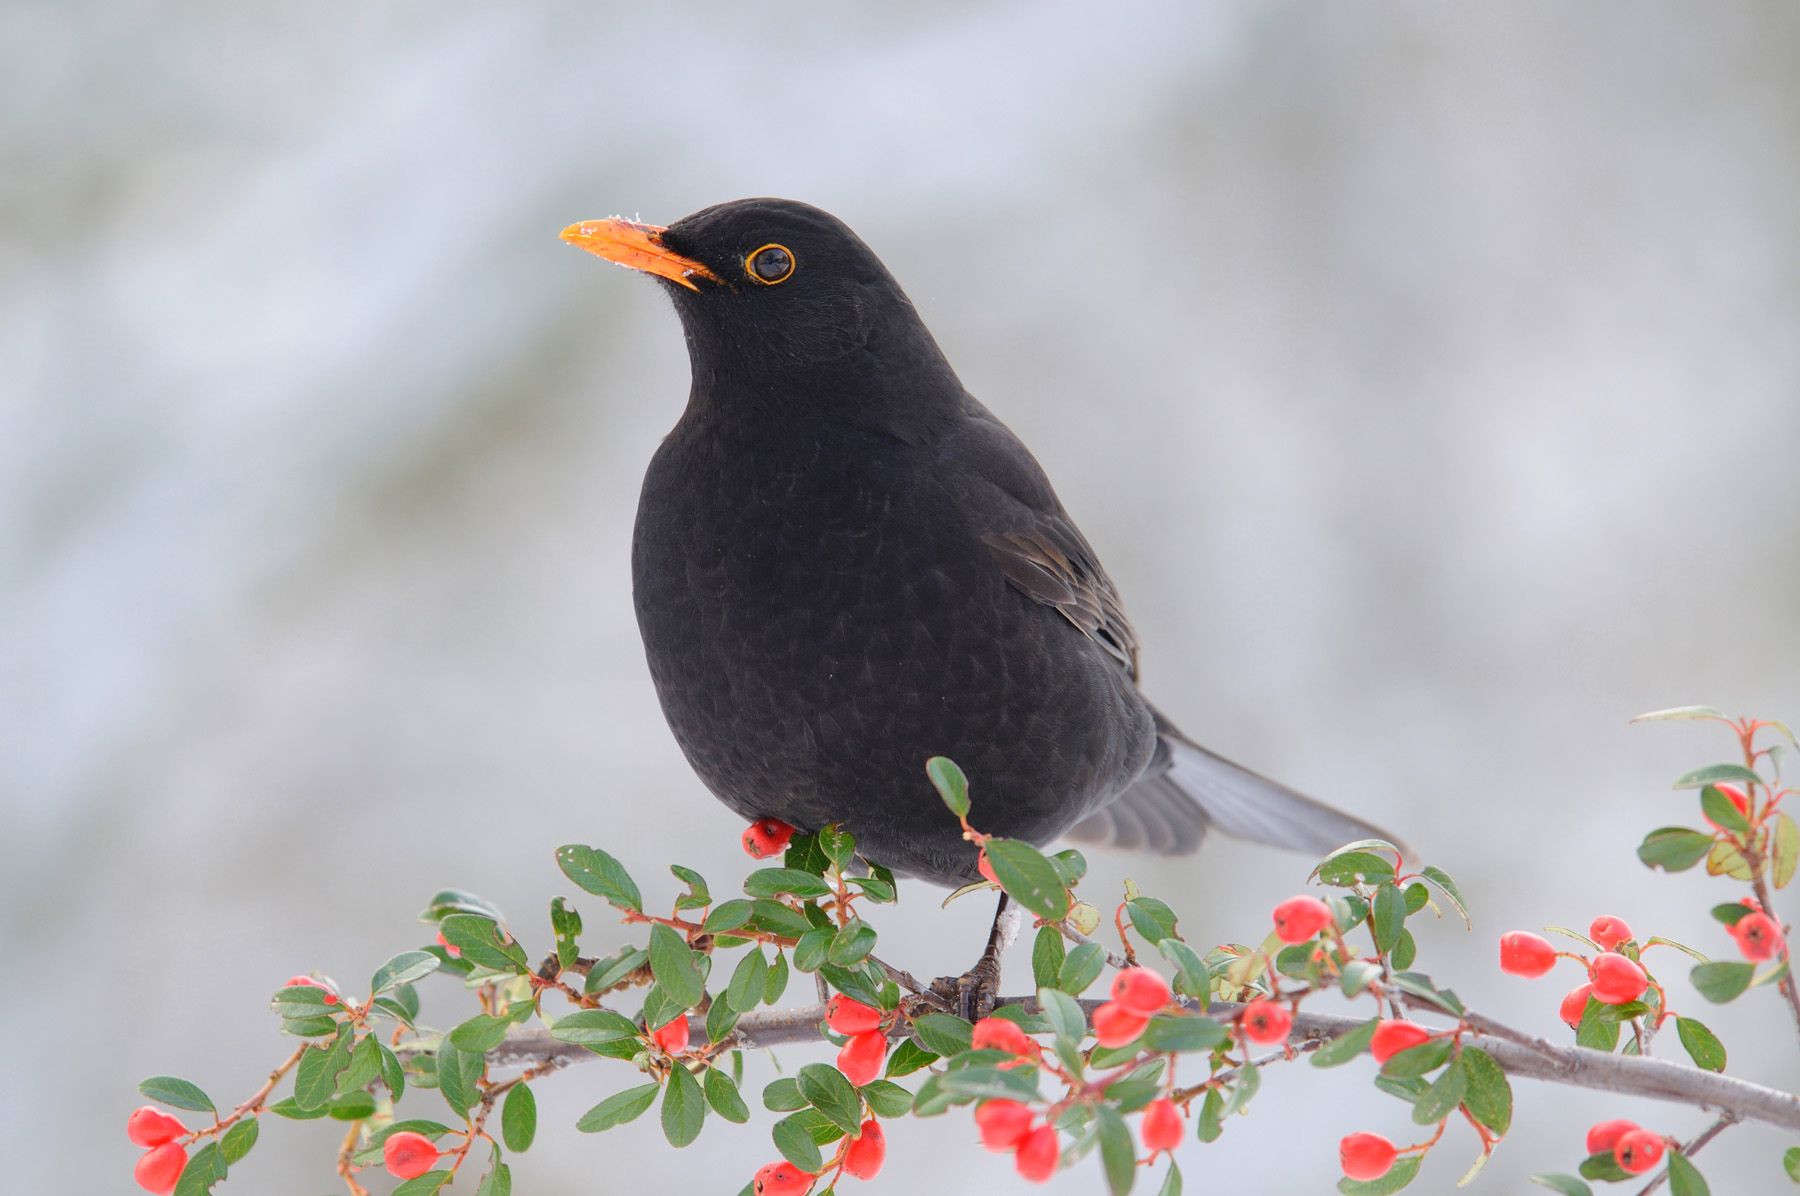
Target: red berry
pixel 781 1179
pixel 998 1034
pixel 1039 1152
pixel 161 1167
pixel 864 1157
pixel 1115 1025
pixel 308 981
pixel 1141 990
pixel 1638 1151
pixel 1609 931
pixel 1366 1156
pixel 1758 937
pixel 1606 1135
pixel 1003 1123
pixel 1392 1037
pixel 860 1060
pixel 150 1126
pixel 1737 798
pixel 1299 918
pixel 1574 1006
pixel 851 1017
pixel 986 869
pixel 450 949
pixel 1265 1022
pixel 766 837
pixel 1162 1126
pixel 673 1037
pixel 1616 979
pixel 408 1154
pixel 1523 953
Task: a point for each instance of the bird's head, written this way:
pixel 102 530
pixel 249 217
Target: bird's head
pixel 771 291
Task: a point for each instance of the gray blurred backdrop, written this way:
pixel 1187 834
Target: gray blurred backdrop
pixel 1427 375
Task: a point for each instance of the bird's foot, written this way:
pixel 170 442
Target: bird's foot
pixel 972 994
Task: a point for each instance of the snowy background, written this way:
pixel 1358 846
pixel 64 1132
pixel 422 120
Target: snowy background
pixel 1427 375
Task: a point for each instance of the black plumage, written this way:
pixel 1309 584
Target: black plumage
pixel 844 564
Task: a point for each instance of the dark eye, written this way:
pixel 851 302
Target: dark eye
pixel 770 264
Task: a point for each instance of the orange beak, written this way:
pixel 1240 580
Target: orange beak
pixel 638 246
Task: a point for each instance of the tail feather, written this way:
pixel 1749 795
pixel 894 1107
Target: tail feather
pixel 1186 789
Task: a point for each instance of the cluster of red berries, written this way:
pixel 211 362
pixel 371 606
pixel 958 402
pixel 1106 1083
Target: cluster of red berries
pixel 766 837
pixel 1137 993
pixel 1266 1022
pixel 1633 1149
pixel 1008 1127
pixel 164 1158
pixel 1613 979
pixel 861 1058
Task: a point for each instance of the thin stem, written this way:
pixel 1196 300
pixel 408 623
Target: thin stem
pixel 1787 986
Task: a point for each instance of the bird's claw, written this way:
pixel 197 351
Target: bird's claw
pixel 971 995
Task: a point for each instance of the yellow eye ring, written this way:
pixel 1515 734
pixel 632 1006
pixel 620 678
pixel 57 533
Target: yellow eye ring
pixel 770 264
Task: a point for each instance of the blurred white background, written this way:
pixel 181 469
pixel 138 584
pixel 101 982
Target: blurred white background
pixel 1427 375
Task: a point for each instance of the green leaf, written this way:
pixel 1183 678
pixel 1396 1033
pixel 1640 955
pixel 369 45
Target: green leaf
pixel 1118 1157
pixel 1790 1162
pixel 1405 951
pixel 1597 1031
pixel 1684 1178
pixel 1417 898
pixel 177 1094
pixel 672 963
pixel 591 1026
pixel 301 1002
pixel 1082 967
pixel 1712 774
pixel 748 980
pixel 290 1109
pixel 1151 918
pixel 1192 977
pixel 1784 849
pixel 518 1118
pixel 724 1098
pixel 907 1058
pixel 498 1180
pixel 601 875
pixel 315 1079
pixel 1674 848
pixel 1249 1080
pixel 697 895
pixel 878 891
pixel 887 1098
pixel 1358 974
pixel 794 1140
pixel 1604 1166
pixel 239 1139
pixel 1417 1061
pixel 943 1033
pixel 404 968
pixel 480 1034
pixel 784 1096
pixel 1420 985
pixel 565 926
pixel 203 1170
pixel 1047 955
pixel 1389 909
pixel 659 1010
pixel 1398 1176
pixel 1441 1099
pixel 459 1074
pixel 831 1094
pixel 1721 812
pixel 1346 1047
pixel 365 1063
pixel 721 1019
pixel 778 978
pixel 1028 878
pixel 1703 1046
pixel 614 968
pixel 1211 1123
pixel 618 1108
pixel 1568 1185
pixel 1183 1032
pixel 728 915
pixel 1489 1096
pixel 813 948
pixel 1349 867
pixel 767 882
pixel 1723 981
pixel 354 1105
pixel 852 943
pixel 1172 1181
pixel 1441 879
pixel 456 901
pixel 1679 712
pixel 683 1107
pixel 1071 865
pixel 392 1073
pixel 482 943
pixel 951 785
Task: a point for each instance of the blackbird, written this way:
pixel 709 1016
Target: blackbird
pixel 844 564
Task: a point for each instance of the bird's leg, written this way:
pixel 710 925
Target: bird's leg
pixel 975 990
